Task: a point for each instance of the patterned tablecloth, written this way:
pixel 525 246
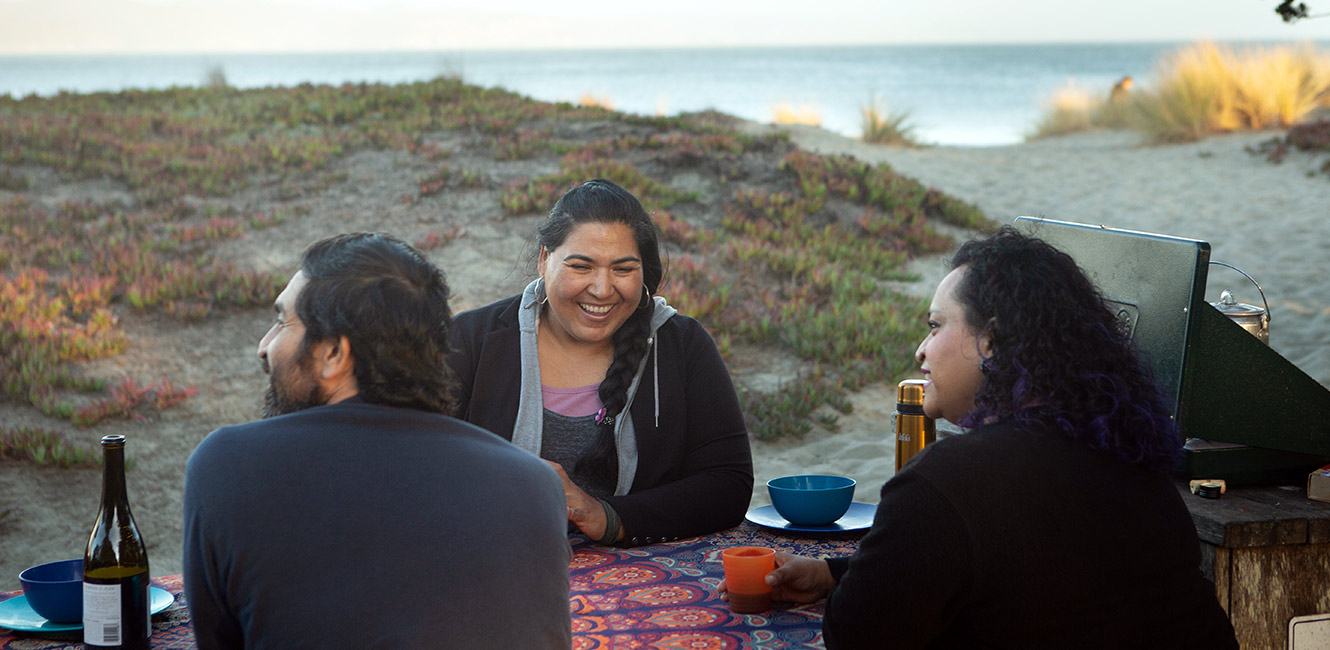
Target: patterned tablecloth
pixel 656 596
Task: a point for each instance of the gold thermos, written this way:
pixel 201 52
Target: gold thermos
pixel 913 428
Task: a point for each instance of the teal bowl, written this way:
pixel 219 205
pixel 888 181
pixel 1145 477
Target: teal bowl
pixel 811 499
pixel 55 590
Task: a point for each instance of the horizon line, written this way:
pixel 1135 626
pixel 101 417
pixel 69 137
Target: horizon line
pixel 620 48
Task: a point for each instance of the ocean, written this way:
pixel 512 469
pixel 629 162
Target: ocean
pixel 977 95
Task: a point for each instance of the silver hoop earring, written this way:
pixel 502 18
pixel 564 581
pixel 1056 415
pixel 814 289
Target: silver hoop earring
pixel 646 297
pixel 541 296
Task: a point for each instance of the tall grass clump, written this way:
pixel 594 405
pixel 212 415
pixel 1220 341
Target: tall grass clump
pixel 1207 88
pixel 214 77
pixel 786 114
pixel 1075 108
pixel 588 100
pixel 1200 90
pixel 882 126
pixel 1069 110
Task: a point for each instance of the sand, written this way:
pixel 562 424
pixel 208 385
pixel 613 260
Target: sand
pixel 1268 220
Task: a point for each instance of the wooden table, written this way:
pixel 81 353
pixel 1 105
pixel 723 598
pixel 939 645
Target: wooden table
pixel 1267 549
pixel 661 595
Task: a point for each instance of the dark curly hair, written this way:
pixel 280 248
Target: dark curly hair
pixel 1058 358
pixel 392 305
pixel 602 201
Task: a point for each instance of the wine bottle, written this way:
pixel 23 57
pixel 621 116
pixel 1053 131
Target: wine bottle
pixel 115 565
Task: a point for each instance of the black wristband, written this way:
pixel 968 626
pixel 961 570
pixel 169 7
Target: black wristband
pixel 611 524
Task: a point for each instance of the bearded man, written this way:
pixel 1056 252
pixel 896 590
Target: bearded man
pixel 356 514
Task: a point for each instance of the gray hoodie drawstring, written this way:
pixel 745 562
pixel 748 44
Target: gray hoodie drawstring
pixel 655 375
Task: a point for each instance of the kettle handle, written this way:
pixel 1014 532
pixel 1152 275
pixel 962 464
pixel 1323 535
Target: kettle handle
pixel 1258 287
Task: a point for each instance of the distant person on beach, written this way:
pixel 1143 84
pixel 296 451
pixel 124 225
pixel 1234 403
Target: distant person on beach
pixel 1120 89
pixel 357 515
pixel 1053 523
pixel 628 399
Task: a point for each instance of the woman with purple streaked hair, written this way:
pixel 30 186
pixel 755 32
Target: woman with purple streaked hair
pixel 1052 522
pixel 1055 354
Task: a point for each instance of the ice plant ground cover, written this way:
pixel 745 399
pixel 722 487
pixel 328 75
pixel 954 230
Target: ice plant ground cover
pixel 779 251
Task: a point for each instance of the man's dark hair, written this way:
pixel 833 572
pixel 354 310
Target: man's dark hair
pixel 392 305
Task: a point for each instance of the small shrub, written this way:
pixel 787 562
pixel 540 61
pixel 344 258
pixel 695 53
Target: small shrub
pixel 521 145
pixel 434 240
pixel 11 181
pixel 1312 137
pixel 45 447
pixel 525 196
pixel 448 177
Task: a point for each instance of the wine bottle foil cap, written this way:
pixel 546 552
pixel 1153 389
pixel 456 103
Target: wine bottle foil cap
pixel 911 392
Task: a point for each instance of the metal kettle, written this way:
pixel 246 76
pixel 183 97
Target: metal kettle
pixel 1255 320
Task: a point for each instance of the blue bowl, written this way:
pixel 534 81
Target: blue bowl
pixel 55 590
pixel 811 499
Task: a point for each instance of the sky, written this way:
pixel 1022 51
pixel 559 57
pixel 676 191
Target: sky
pixel 169 26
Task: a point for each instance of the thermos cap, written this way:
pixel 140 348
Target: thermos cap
pixel 910 391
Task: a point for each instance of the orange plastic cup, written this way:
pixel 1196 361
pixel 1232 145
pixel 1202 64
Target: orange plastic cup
pixel 746 569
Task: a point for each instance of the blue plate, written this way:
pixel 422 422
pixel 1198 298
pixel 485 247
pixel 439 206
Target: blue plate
pixel 858 517
pixel 17 614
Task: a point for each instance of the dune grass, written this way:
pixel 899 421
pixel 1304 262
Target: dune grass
pixel 1204 89
pixel 880 125
pixel 1069 110
pixel 592 100
pixel 784 113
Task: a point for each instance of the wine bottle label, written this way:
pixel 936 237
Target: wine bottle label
pixel 101 614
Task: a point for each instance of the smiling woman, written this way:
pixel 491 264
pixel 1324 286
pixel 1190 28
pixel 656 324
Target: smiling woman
pixel 627 399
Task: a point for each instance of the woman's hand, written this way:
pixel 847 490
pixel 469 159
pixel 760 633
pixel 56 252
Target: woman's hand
pixel 797 579
pixel 583 509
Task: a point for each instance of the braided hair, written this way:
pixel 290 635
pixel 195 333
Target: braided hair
pixel 602 201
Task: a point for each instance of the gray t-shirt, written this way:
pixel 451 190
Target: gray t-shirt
pixel 566 440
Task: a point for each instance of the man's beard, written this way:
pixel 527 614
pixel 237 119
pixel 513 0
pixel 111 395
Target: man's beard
pixel 292 389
